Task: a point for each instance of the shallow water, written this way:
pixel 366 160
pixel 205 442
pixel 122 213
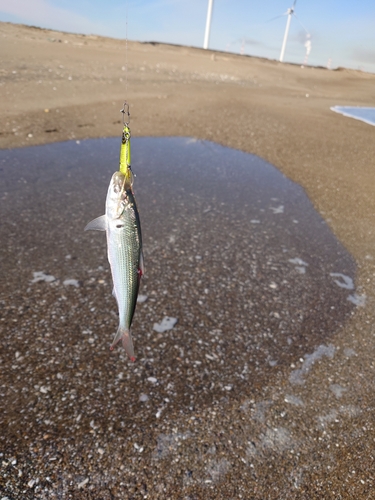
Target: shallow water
pixel 224 229
pixel 364 114
pixel 233 250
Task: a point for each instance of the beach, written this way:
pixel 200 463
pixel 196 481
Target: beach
pixel 267 437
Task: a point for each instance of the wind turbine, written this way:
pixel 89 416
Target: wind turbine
pixel 289 12
pixel 208 24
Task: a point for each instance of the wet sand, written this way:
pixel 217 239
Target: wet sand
pixel 266 437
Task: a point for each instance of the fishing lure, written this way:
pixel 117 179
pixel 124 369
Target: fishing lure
pixel 124 240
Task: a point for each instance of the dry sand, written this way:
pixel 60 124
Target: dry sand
pixel 57 86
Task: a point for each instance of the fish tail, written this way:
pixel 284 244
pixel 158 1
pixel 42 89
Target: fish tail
pixel 124 335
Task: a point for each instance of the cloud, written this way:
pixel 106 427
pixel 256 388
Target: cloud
pixel 300 37
pixel 41 13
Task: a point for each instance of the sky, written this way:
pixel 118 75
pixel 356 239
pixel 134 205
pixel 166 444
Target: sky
pixel 342 32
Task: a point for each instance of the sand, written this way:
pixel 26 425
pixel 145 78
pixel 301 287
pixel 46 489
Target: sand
pixel 58 86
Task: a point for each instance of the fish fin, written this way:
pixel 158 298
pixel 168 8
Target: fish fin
pixel 141 264
pixel 124 335
pixel 98 224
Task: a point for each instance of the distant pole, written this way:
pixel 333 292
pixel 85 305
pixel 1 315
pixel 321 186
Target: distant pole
pixel 208 24
pixel 290 12
pixel 242 49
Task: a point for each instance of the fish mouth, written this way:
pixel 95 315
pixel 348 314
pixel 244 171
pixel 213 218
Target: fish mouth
pixel 122 182
pixel 118 182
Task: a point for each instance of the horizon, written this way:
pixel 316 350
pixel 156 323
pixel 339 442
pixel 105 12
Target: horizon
pixel 154 42
pixel 341 42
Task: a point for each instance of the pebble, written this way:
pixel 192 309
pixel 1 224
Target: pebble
pixel 83 483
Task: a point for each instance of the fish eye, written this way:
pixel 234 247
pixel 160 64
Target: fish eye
pixel 119 226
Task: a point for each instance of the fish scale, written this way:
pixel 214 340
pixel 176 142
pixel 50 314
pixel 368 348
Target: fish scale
pixel 123 245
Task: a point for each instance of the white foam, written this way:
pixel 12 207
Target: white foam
pixel 357 300
pixel 346 282
pixel 297 376
pixel 167 323
pixel 169 443
pixel 337 390
pixel 293 400
pixel 277 439
pixel 300 265
pixel 41 276
pixel 217 470
pixel 298 262
pixel 278 210
pixel 71 282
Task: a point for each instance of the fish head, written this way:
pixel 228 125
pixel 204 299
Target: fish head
pixel 117 197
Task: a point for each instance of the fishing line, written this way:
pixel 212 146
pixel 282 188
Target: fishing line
pixel 125 159
pixel 126 46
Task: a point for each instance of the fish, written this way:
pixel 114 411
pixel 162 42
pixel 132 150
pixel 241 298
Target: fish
pixel 122 225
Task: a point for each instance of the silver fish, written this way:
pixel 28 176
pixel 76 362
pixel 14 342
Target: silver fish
pixel 124 242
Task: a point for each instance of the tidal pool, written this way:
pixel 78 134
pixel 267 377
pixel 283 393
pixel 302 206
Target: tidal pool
pixel 230 243
pixel 234 251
